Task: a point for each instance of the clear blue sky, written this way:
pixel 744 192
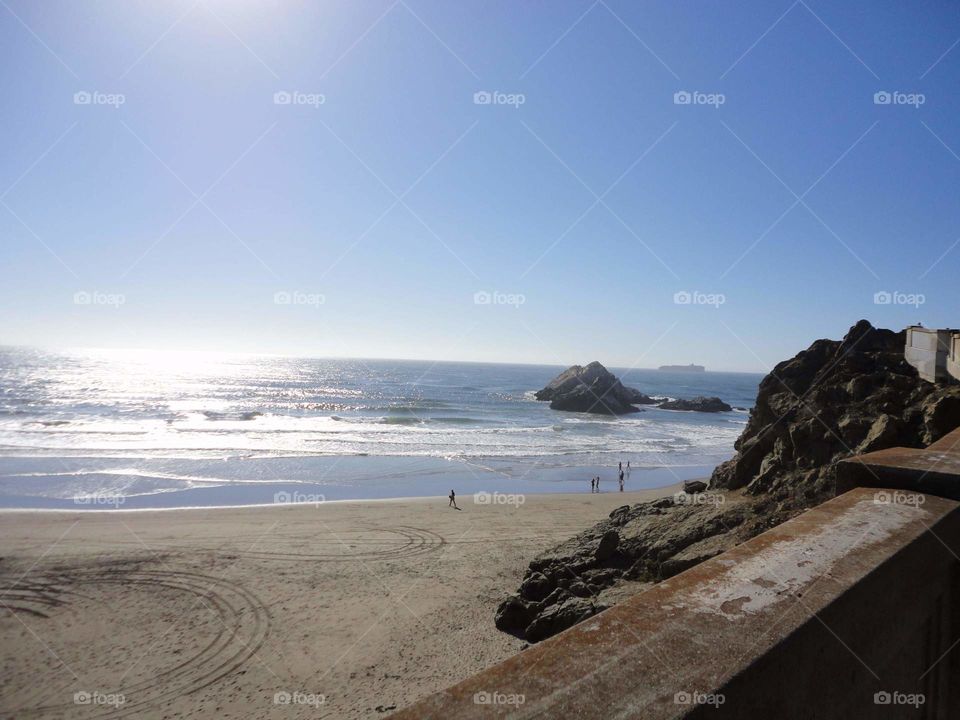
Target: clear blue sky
pixel 398 198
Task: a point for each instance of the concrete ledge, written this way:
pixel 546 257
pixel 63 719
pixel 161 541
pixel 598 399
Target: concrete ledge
pixel 810 619
pixel 935 469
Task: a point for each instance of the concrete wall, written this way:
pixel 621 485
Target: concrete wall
pixel 953 357
pixel 829 615
pixel 927 351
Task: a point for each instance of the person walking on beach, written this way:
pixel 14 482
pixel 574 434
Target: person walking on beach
pixel 621 481
pixel 598 483
pixel 592 480
pixel 453 500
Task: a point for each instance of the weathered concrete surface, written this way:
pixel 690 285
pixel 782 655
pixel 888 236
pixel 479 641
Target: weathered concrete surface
pixel 927 350
pixel 809 619
pixel 935 469
pixel 953 357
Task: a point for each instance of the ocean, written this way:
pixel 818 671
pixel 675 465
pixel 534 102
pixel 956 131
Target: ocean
pixel 137 429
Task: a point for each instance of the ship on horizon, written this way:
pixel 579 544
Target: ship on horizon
pixel 683 368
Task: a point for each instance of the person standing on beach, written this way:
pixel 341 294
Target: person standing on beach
pixel 620 466
pixel 621 481
pixel 598 483
pixel 453 500
pixel 591 484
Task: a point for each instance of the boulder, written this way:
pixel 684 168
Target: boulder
pixel 514 615
pixel 535 587
pixel 694 486
pixel 608 545
pixel 591 388
pixel 699 404
pixel 559 617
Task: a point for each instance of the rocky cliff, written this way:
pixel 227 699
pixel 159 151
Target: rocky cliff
pixel 835 399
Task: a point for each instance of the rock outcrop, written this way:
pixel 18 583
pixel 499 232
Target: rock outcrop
pixel 833 400
pixel 699 404
pixel 592 389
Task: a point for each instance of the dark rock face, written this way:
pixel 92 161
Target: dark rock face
pixel 833 400
pixel 699 403
pixel 592 389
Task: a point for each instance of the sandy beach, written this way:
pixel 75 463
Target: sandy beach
pixel 339 610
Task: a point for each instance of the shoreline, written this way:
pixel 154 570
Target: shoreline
pixel 675 486
pixel 95 484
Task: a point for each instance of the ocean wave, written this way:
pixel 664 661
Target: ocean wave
pixel 401 420
pixel 243 416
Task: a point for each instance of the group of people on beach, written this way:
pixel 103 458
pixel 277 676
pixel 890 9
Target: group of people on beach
pixel 594 484
pixel 595 481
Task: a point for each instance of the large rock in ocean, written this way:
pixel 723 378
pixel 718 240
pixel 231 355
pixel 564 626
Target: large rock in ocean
pixel 699 404
pixel 591 388
pixel 834 399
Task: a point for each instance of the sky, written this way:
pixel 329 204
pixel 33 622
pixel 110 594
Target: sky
pixel 639 183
